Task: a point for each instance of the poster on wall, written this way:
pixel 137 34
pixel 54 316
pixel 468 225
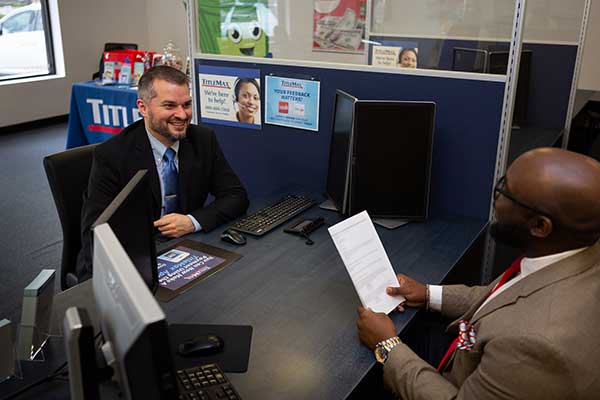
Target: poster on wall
pixel 339 25
pixel 292 102
pixel 230 96
pixel 235 27
pixel 395 56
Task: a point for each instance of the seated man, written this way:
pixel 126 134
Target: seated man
pixel 532 333
pixel 184 162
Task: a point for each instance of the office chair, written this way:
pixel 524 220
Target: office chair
pixel 109 47
pixel 68 174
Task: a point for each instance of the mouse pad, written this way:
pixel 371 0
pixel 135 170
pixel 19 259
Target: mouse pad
pixel 236 350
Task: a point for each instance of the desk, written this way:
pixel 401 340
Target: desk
pixel 302 305
pixel 99 112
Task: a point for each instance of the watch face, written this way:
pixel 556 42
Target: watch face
pixel 381 354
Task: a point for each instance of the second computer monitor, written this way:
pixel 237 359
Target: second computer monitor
pixel 469 60
pixel 498 64
pixel 133 325
pixel 393 142
pixel 130 217
pixel 340 150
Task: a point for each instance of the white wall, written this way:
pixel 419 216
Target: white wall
pixel 167 20
pixel 86 26
pixel 589 78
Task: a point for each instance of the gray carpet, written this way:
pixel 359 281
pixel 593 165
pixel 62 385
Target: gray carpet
pixel 31 234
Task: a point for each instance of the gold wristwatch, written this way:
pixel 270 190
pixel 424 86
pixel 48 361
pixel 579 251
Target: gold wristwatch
pixel 383 348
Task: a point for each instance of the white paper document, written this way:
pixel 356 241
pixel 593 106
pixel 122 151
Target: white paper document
pixel 366 261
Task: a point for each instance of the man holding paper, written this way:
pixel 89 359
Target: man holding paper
pixel 532 333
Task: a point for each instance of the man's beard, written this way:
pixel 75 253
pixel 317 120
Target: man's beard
pixel 162 128
pixel 516 236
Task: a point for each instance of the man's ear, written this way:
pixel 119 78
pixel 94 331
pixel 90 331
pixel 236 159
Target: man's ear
pixel 142 107
pixel 540 226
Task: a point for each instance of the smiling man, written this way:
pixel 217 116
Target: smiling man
pixel 185 164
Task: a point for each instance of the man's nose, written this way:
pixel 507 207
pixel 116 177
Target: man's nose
pixel 181 112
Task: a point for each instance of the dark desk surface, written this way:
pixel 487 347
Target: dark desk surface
pixel 302 305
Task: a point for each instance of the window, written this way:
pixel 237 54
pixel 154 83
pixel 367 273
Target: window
pixel 25 41
pixel 20 22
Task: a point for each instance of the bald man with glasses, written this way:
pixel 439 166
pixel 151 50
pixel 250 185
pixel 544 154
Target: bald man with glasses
pixel 533 332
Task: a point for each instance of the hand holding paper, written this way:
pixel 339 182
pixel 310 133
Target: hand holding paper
pixel 367 263
pixel 413 291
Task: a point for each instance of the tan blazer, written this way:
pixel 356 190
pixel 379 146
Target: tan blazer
pixel 538 339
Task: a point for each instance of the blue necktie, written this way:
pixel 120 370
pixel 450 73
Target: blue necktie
pixel 170 182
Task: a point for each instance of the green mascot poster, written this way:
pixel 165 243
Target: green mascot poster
pixel 235 27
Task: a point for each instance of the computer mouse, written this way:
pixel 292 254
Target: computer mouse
pixel 233 237
pixel 203 345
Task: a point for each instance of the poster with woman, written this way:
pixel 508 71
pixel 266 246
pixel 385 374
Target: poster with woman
pixel 339 25
pixel 230 96
pixel 395 57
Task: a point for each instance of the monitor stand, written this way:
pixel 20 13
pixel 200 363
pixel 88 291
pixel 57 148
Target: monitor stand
pixel 328 205
pixel 390 223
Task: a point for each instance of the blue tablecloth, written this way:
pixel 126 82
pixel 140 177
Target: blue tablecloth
pixel 99 112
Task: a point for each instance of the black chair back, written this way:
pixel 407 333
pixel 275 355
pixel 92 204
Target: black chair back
pixel 68 173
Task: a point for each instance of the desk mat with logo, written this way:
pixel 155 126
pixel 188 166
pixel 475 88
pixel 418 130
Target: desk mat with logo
pixel 236 350
pixel 186 263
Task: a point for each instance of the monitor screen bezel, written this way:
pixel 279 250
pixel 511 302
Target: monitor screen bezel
pixel 483 53
pixel 342 209
pixel 132 322
pixel 140 178
pixel 353 208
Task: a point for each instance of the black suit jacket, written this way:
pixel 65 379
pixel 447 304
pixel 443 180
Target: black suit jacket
pixel 203 169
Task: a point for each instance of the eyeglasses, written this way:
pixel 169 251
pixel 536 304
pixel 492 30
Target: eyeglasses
pixel 499 189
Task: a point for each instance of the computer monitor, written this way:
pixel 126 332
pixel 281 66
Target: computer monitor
pixel 393 144
pixel 130 217
pixel 340 150
pixel 469 60
pixel 134 327
pixel 498 64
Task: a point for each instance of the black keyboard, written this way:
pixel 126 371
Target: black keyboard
pixel 269 218
pixel 205 382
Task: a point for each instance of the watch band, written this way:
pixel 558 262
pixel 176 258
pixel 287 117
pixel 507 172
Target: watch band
pixel 383 348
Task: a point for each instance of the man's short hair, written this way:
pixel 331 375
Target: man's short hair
pixel 238 86
pixel 161 72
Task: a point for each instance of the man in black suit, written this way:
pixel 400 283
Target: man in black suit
pixel 164 143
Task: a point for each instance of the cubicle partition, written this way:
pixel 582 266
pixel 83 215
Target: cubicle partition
pixel 550 77
pixel 467 123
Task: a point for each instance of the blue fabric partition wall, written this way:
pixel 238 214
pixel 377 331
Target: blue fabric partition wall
pixel 467 122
